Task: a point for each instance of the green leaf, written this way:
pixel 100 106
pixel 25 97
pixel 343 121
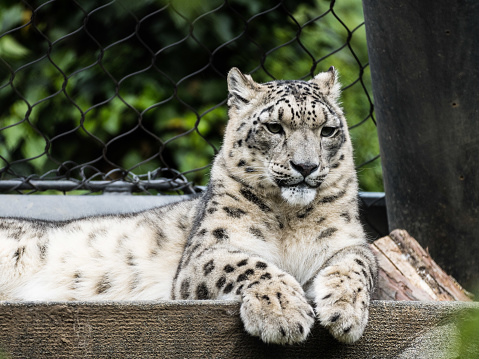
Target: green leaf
pixel 11 48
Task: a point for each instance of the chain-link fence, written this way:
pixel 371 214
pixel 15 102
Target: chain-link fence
pixel 130 95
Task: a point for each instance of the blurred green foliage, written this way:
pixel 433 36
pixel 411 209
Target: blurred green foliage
pixel 141 85
pixel 467 341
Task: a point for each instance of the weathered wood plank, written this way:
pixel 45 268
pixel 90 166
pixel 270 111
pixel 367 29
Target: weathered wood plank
pixel 209 329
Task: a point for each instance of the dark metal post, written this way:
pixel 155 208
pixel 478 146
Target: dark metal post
pixel 424 58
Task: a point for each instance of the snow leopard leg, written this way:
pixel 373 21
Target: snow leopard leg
pixel 342 291
pixel 273 306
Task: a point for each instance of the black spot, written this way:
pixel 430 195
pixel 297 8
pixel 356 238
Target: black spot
pixel 360 262
pixel 17 233
pixel 242 263
pixel 364 273
pixel 283 333
pixel 240 288
pixel 195 248
pixel 42 248
pixel 248 135
pixel 208 267
pixel 242 277
pixel 211 210
pixel 241 126
pixel 234 212
pixel 305 212
pixel 18 254
pixel 256 232
pixel 300 327
pixel 329 199
pixel 326 233
pixel 228 288
pixel 101 232
pixel 181 225
pixel 241 163
pixel 228 268
pixel 221 282
pixel 220 234
pixel 327 296
pixel 202 232
pixel 253 284
pixel 347 329
pixel 346 216
pixel 280 114
pixel 250 196
pixel 266 276
pixel 232 196
pixel 103 285
pixel 77 276
pixel 202 291
pixel 130 260
pixel 335 317
pixel 245 275
pixel 242 99
pixel 261 265
pixel 267 109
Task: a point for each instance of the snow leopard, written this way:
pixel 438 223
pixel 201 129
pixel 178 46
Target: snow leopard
pixel 276 229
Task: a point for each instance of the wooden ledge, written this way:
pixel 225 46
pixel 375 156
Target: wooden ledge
pixel 205 329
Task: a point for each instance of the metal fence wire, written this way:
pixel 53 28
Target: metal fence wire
pixel 130 95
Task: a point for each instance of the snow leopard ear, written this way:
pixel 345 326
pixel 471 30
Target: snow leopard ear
pixel 242 88
pixel 328 83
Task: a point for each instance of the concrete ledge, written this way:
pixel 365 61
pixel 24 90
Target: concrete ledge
pixel 213 329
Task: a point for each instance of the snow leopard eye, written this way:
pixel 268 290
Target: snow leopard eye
pixel 274 127
pixel 328 131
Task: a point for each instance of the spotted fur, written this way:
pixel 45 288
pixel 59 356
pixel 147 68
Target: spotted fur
pixel 276 229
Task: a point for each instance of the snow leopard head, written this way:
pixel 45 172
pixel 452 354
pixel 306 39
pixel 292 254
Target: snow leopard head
pixel 285 137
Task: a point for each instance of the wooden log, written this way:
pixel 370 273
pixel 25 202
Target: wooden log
pixel 407 272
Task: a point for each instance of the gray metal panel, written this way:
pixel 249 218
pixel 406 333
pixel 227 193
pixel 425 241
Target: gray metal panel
pixel 51 207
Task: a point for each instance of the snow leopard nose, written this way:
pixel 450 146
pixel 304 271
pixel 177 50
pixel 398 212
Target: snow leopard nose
pixel 304 168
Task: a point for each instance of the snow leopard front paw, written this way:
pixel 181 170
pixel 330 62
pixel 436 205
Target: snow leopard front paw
pixel 276 310
pixel 342 302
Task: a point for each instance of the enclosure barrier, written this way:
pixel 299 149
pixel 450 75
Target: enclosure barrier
pixel 134 92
